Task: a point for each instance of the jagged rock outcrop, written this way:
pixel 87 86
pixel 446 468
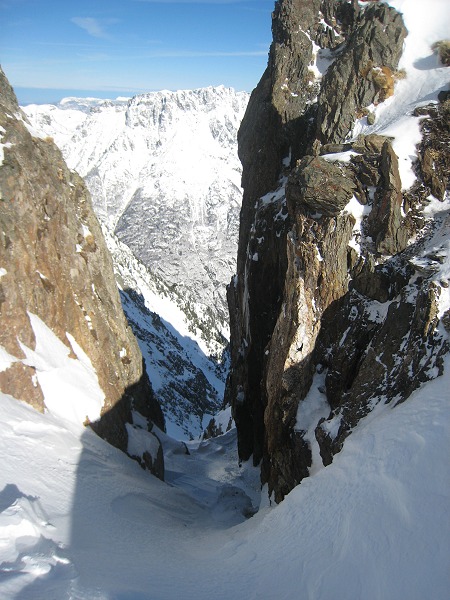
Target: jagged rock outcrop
pixel 434 158
pixel 273 133
pixel 385 219
pixel 320 186
pixel 55 265
pixel 363 72
pixel 378 359
pixel 329 286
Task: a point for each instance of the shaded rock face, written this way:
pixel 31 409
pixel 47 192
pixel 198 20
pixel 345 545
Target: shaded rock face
pixel 318 291
pixel 273 133
pixel 55 265
pixel 434 158
pixel 319 186
pixel 362 73
pixel 383 359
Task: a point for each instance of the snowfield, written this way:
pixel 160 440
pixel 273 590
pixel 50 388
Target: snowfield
pixel 80 520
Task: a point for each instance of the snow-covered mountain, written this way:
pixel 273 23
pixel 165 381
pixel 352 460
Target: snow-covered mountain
pixel 80 520
pixel 164 173
pixel 188 383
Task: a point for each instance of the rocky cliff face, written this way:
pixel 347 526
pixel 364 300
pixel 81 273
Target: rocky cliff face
pixel 57 277
pixel 330 298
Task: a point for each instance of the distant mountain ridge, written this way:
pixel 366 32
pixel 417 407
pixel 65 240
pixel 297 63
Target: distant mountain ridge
pixel 164 174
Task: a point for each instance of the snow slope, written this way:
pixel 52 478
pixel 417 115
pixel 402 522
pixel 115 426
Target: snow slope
pixel 79 520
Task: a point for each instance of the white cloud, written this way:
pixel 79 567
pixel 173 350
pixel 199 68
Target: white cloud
pixel 93 27
pixel 196 1
pixel 201 54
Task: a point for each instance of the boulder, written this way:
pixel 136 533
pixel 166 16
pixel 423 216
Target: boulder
pixel 319 186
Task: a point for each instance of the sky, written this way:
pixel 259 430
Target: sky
pixel 50 49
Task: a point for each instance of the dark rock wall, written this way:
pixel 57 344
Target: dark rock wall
pixel 276 128
pixel 58 267
pixel 353 81
pixel 303 298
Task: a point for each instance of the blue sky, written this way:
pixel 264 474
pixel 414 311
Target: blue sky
pixel 54 48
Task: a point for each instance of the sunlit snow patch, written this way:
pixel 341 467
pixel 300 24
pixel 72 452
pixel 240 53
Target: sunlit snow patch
pixel 425 78
pixel 70 386
pixel 358 211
